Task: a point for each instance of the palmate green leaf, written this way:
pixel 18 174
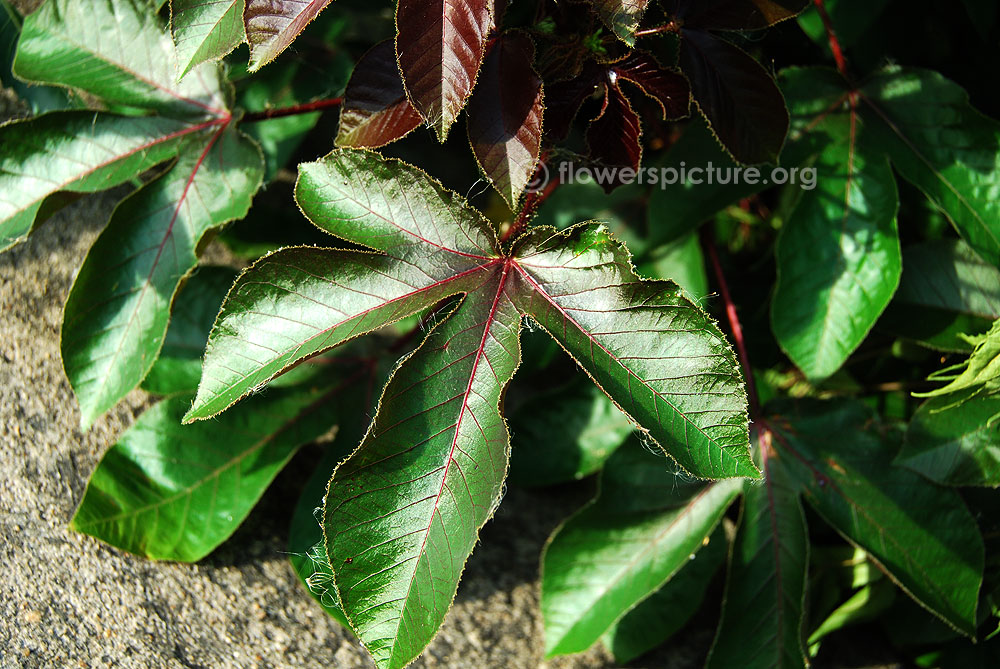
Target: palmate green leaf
pixel 118 51
pixel 205 30
pixel 947 291
pixel 404 511
pixel 662 614
pixel 922 535
pixel 41 98
pixel 662 360
pixel 117 312
pixel 958 445
pixel 173 492
pixel 838 254
pixel 763 609
pixel 645 524
pixel 298 302
pixel 178 367
pixel 48 158
pixel 942 145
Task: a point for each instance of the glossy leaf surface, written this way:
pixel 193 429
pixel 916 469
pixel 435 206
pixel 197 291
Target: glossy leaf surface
pixel 957 445
pixel 669 89
pixel 440 45
pixel 272 25
pixel 838 255
pixel 117 312
pixel 736 95
pixel 845 472
pixel 659 616
pixel 300 301
pixel 118 51
pixel 661 360
pixel 404 512
pixel 173 492
pixel 205 30
pixel 766 583
pixel 938 142
pixel 505 116
pixel 41 98
pixel 81 152
pixel 376 110
pixel 617 551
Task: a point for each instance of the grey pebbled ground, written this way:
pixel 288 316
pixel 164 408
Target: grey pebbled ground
pixel 67 600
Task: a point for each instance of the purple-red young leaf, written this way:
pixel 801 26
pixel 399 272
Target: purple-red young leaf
pixel 440 45
pixel 622 16
pixel 376 111
pixel 668 88
pixel 738 97
pixel 272 25
pixel 505 116
pixel 564 98
pixel 734 14
pixel 613 138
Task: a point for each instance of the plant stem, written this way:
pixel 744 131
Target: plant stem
pixel 267 114
pixel 532 201
pixel 734 323
pixel 831 34
pixel 672 27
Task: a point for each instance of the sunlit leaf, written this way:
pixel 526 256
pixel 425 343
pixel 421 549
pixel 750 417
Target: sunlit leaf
pixel 644 526
pixel 117 312
pixel 440 45
pixel 205 30
pixel 622 16
pixel 669 89
pixel 272 25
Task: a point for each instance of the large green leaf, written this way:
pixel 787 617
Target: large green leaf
pixel 659 616
pixel 947 291
pixel 838 255
pixel 47 157
pixel 118 51
pixel 645 524
pixel 946 148
pixel 404 512
pixel 959 445
pixel 173 492
pixel 298 302
pixel 205 30
pixel 767 578
pixel 117 312
pixel 660 358
pixel 41 98
pixel 921 534
pixel 178 367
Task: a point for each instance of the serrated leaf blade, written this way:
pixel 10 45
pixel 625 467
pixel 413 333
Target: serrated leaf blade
pixel 272 25
pixel 205 30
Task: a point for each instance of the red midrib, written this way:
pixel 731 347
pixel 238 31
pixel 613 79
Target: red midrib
pixel 458 425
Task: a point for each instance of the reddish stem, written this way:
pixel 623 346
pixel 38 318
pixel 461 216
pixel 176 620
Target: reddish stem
pixel 532 201
pixel 672 27
pixel 734 324
pixel 831 34
pixel 267 114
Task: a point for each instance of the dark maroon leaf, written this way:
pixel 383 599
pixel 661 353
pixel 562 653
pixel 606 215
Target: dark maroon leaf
pixel 440 45
pixel 622 16
pixel 375 109
pixel 563 99
pixel 505 116
pixel 613 138
pixel 737 96
pixel 272 25
pixel 670 89
pixel 733 14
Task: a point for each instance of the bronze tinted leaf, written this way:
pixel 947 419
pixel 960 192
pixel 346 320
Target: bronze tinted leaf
pixel 622 16
pixel 440 45
pixel 670 89
pixel 613 138
pixel 505 116
pixel 375 109
pixel 737 96
pixel 272 25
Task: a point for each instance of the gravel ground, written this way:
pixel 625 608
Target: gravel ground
pixel 67 600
